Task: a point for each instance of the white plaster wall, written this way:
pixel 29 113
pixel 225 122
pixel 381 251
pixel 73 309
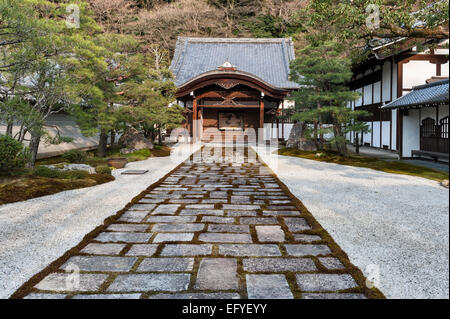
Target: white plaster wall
pixel 377 92
pixel 444 69
pixel 376 134
pixel 367 94
pixel 411 132
pixel 386 133
pixel 359 100
pixel 417 72
pixel 367 138
pixel 443 111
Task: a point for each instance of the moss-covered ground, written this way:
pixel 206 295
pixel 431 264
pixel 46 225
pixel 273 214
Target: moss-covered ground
pixel 395 167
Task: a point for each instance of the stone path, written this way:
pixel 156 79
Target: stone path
pixel 212 229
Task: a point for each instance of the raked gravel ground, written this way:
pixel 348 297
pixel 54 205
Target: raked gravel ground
pixel 35 232
pixel 398 223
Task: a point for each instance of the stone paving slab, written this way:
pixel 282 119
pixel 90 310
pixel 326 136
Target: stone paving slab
pixel 212 229
pixel 268 287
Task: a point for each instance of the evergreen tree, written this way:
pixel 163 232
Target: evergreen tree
pixel 322 70
pixel 44 63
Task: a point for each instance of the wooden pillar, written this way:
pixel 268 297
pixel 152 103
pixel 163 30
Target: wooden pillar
pixel 261 113
pixel 194 121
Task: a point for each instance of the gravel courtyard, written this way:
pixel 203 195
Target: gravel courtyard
pixel 35 232
pixel 211 229
pixel 397 223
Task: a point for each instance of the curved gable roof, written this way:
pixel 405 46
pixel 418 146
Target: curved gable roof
pixel 267 59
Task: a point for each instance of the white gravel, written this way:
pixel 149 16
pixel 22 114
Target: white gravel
pixel 35 232
pixel 398 223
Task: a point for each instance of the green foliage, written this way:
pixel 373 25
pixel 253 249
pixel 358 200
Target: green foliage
pixel 43 60
pixel 43 171
pixel 355 22
pixel 75 156
pixel 322 70
pixel 139 155
pixel 103 169
pixel 269 26
pixel 13 155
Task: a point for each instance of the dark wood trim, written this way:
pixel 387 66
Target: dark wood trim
pixel 438 69
pixel 230 94
pixel 362 96
pixel 381 100
pixel 194 120
pixel 373 89
pixel 373 77
pixel 261 113
pixel 433 58
pixel 227 106
pixel 212 79
pixel 371 135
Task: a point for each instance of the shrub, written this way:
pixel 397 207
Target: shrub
pixel 103 169
pixel 43 171
pixel 75 156
pixel 13 155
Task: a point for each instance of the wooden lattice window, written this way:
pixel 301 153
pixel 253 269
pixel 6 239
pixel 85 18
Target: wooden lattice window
pixel 444 127
pixel 428 128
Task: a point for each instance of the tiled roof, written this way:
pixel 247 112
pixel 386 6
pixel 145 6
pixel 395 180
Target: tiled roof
pixel 423 95
pixel 267 59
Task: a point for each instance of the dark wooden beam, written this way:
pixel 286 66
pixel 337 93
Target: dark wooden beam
pixel 261 113
pixel 194 120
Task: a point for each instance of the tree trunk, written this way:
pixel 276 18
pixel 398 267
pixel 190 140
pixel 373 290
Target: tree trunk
pixel 102 143
pixel 315 134
pixel 34 146
pixel 159 136
pixel 341 143
pixel 357 143
pixel 113 138
pixel 9 128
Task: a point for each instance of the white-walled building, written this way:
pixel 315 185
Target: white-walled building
pixel 392 70
pixel 424 113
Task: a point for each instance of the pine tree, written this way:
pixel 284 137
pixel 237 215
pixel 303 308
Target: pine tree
pixel 322 70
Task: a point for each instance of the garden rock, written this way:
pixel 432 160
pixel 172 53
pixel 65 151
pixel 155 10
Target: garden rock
pixel 132 140
pixel 73 167
pixel 296 139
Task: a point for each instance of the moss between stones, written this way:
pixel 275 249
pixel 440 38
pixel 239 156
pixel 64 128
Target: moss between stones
pixel 27 287
pixel 317 229
pixel 357 274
